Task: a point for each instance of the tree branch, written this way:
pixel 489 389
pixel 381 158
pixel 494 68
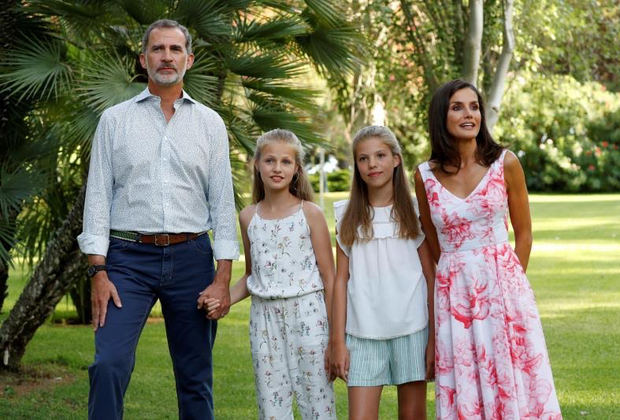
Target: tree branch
pixel 499 79
pixel 473 43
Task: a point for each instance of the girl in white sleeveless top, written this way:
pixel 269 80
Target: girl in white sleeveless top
pixel 381 333
pixel 289 273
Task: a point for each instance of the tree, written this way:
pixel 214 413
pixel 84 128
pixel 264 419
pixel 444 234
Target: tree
pixel 19 173
pixel 440 19
pixel 251 60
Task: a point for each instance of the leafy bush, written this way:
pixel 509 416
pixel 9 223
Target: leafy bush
pixel 565 133
pixel 339 180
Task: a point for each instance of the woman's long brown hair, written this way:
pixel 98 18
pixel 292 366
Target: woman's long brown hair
pixel 358 215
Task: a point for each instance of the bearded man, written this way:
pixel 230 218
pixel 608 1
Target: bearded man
pixel 159 180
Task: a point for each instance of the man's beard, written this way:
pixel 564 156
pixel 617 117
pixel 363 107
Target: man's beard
pixel 166 80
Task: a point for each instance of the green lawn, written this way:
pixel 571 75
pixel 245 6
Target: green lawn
pixel 574 270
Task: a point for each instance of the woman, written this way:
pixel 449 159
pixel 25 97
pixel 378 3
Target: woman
pixel 491 358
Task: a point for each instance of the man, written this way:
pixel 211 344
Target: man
pixel 159 179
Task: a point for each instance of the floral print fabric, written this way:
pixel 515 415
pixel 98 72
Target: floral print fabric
pixel 283 261
pixel 289 330
pixel 288 338
pixel 491 357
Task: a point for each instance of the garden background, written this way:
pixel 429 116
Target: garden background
pixel 548 68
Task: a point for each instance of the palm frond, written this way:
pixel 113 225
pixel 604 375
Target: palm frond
pixel 268 118
pixel 108 80
pixel 209 18
pixel 327 12
pixel 265 65
pixel 17 186
pixel 200 81
pixel 76 17
pixel 299 97
pixel 36 68
pixel 7 240
pixel 242 131
pixel 279 29
pixel 145 12
pixel 335 51
pixel 241 182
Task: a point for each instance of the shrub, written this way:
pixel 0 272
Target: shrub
pixel 339 180
pixel 565 133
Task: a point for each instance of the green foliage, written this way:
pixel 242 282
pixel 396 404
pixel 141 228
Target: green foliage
pixel 579 39
pixel 338 180
pixel 563 132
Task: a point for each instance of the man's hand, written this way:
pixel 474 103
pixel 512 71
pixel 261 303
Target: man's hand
pixel 102 290
pixel 218 290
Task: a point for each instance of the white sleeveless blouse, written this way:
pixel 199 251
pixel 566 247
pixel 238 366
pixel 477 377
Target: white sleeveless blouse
pixel 386 291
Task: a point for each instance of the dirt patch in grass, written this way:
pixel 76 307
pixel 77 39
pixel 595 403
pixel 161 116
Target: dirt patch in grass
pixel 29 379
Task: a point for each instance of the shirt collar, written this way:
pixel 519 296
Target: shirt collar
pixel 145 94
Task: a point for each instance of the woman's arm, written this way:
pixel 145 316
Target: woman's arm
pixel 321 243
pixel 519 207
pixel 428 268
pixel 425 217
pixel 340 355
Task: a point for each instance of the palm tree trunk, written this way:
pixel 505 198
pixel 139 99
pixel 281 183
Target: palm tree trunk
pixel 48 284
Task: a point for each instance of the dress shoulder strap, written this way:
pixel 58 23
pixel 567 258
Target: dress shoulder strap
pixel 502 156
pixel 425 170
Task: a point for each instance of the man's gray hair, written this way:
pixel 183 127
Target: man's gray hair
pixel 167 23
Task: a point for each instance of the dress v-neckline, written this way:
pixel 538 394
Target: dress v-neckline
pixel 472 191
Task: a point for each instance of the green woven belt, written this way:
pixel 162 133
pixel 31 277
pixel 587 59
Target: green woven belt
pixel 125 235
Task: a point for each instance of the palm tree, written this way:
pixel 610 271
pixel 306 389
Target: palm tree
pixel 19 173
pixel 252 60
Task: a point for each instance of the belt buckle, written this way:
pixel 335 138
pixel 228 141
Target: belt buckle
pixel 162 235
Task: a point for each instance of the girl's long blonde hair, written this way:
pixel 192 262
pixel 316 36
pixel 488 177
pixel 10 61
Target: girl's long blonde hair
pixel 299 186
pixel 359 211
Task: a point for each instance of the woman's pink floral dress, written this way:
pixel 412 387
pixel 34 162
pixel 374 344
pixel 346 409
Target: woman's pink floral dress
pixel 491 358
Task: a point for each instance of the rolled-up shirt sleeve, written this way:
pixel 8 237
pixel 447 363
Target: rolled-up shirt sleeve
pixel 221 198
pixel 94 238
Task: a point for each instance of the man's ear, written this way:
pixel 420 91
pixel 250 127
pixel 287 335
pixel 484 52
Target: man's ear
pixel 190 61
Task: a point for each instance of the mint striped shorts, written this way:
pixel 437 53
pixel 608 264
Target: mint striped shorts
pixel 394 361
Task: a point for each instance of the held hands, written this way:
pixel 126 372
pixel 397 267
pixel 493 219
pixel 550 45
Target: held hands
pixel 215 300
pixel 211 305
pixel 102 290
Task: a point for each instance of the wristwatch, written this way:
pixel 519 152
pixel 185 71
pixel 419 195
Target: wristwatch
pixel 94 269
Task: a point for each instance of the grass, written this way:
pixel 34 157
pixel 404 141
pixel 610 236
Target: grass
pixel 574 270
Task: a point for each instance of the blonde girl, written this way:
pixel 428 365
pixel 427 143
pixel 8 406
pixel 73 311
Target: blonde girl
pixel 381 334
pixel 289 271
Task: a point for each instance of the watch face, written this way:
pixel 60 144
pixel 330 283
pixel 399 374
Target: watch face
pixel 94 269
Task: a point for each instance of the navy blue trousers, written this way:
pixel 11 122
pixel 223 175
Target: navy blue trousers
pixel 142 274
